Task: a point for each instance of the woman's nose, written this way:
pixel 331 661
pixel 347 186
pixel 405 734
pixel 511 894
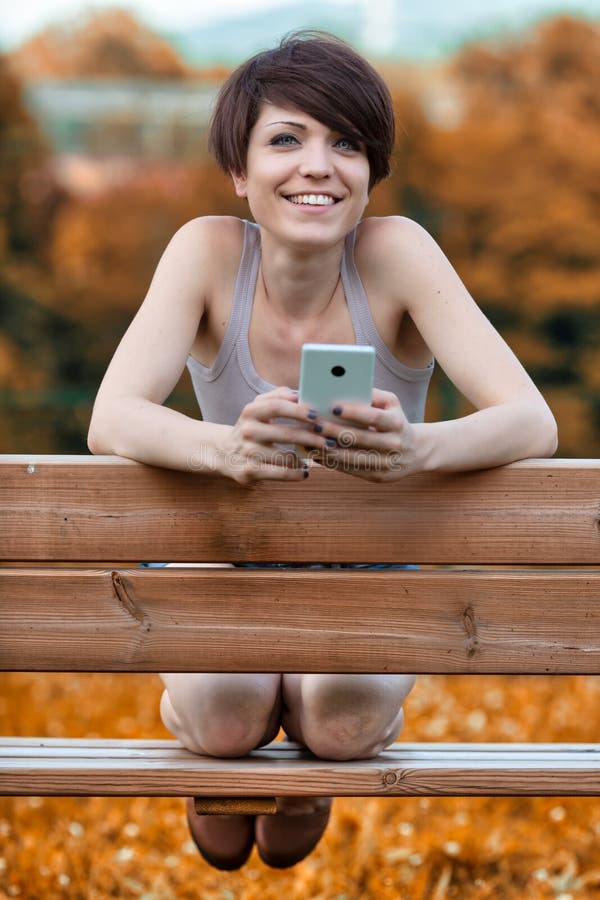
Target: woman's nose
pixel 316 161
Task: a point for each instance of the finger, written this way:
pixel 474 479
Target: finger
pixel 266 407
pixel 269 433
pixel 365 417
pixel 256 455
pixel 363 466
pixel 384 399
pixel 285 392
pixel 268 472
pixel 365 441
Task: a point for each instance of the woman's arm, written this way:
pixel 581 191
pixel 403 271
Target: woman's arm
pixel 129 419
pixel 512 420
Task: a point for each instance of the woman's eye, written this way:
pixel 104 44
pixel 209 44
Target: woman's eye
pixel 284 140
pixel 347 144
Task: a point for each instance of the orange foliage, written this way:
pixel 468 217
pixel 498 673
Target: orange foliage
pixel 105 263
pixel 388 849
pixel 510 189
pixel 23 154
pixel 108 44
pixel 517 179
pixel 506 178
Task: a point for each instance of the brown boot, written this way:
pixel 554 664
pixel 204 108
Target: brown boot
pixel 285 838
pixel 224 841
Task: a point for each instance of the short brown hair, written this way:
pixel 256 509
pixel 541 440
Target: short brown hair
pixel 319 74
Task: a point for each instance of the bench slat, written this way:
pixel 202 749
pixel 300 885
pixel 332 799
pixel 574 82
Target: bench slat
pixel 229 620
pixel 282 769
pixel 130 747
pixel 107 508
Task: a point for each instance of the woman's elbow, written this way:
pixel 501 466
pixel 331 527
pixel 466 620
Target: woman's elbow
pixel 98 440
pixel 553 441
pixel 95 443
pixel 546 436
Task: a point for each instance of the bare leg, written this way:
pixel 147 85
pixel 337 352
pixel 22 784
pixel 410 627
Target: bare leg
pixel 222 715
pixel 337 717
pixel 344 716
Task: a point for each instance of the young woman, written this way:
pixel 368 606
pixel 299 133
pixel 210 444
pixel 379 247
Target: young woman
pixel 305 131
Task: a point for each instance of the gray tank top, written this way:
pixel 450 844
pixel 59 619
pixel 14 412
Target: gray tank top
pixel 232 381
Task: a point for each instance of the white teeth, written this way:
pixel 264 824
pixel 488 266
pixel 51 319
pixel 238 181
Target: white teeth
pixel 312 199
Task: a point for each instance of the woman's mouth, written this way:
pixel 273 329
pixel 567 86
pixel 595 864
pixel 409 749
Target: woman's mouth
pixel 312 199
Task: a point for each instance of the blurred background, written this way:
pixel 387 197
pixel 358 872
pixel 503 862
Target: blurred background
pixel 103 118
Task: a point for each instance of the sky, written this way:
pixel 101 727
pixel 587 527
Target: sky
pixel 19 19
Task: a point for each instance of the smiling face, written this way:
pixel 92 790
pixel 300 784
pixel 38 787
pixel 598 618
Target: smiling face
pixel 304 182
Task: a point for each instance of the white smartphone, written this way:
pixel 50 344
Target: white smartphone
pixel 331 374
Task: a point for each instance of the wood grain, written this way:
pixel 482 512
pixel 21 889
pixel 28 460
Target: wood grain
pixel 111 509
pixel 44 767
pixel 235 806
pixel 235 620
pixel 539 519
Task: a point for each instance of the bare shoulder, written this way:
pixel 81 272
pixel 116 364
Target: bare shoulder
pixel 380 238
pixel 210 239
pixel 195 262
pixel 218 228
pixel 391 250
pixel 403 259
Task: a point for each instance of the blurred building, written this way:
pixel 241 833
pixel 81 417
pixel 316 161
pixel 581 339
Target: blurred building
pixel 135 117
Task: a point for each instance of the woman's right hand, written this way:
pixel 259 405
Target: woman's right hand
pixel 248 452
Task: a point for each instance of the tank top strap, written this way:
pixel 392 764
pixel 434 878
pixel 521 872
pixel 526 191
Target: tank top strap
pixel 245 286
pixel 244 299
pixel 241 305
pixel 365 330
pixel 356 298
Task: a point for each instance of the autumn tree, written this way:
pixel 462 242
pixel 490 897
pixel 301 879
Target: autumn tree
pixel 25 185
pixel 108 44
pixel 506 179
pixel 512 191
pixel 37 343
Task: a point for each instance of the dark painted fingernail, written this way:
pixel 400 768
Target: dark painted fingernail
pixel 312 414
pixel 331 442
pixel 337 410
pixel 305 472
pixel 318 428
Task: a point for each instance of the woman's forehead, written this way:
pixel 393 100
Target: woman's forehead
pixel 281 112
pixel 271 113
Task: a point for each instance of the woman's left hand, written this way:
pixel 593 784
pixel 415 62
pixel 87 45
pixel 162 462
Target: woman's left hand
pixel 375 442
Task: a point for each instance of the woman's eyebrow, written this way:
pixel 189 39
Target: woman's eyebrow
pixel 294 124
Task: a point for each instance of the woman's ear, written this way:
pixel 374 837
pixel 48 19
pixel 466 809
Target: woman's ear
pixel 240 184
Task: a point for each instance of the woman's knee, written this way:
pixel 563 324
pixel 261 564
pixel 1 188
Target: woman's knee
pixel 220 714
pixel 352 716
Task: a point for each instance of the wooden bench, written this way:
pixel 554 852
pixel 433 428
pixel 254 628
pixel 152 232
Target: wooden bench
pixel 509 583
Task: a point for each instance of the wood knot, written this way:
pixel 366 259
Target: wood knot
pixel 390 778
pixel 128 603
pixel 470 627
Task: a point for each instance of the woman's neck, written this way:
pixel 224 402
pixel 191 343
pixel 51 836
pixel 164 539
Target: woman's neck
pixel 299 285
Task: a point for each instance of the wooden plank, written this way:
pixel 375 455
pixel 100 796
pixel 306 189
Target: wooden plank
pixel 37 767
pixel 107 508
pixel 129 747
pixel 234 620
pixel 235 806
